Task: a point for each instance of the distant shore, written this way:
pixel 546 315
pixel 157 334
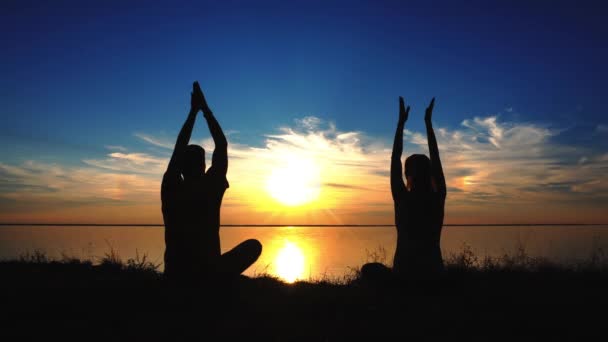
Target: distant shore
pixel 305 225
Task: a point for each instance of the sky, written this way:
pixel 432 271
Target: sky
pixel 92 96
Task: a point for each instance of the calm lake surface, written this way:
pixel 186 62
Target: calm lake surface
pixel 306 252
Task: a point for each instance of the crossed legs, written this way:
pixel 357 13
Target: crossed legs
pixel 237 260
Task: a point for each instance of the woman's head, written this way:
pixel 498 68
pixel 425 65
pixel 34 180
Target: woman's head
pixel 418 172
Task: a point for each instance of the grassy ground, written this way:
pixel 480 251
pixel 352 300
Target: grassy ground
pixel 499 298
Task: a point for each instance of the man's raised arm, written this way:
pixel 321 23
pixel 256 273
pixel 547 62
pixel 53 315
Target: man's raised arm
pixel 219 161
pixel 397 185
pixel 436 169
pixel 186 132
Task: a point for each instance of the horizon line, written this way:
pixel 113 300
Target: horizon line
pixel 299 225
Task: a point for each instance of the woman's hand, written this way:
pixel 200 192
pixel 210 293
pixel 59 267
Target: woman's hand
pixel 429 112
pixel 403 112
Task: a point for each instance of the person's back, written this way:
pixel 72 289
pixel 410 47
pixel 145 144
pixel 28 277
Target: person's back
pixel 419 219
pixel 191 211
pixel 419 206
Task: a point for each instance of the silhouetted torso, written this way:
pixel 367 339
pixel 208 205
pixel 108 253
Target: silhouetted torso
pixel 419 219
pixel 191 212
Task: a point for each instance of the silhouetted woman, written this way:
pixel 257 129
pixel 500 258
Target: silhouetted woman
pixel 419 206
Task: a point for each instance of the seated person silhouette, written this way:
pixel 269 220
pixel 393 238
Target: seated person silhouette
pixel 419 208
pixel 191 201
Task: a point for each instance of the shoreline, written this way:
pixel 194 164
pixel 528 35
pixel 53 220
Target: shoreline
pixel 306 225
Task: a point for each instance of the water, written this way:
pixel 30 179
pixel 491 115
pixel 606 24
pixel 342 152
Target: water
pixel 306 252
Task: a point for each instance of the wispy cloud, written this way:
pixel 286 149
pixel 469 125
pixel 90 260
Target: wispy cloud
pixel 138 163
pixel 156 141
pixel 601 129
pixel 496 171
pixel 116 148
pixel 42 192
pixel 520 166
pixel 347 163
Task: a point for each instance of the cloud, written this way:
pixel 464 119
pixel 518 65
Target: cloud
pixel 138 158
pixel 494 169
pixel 345 186
pixel 54 187
pixel 488 129
pixel 516 163
pixel 601 129
pixel 156 141
pixel 116 148
pixel 488 164
pixel 309 122
pixel 141 163
pixel 347 163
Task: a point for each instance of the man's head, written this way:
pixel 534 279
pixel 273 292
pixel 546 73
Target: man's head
pixel 418 172
pixel 193 164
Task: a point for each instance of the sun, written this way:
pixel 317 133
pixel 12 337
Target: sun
pixel 295 182
pixel 290 262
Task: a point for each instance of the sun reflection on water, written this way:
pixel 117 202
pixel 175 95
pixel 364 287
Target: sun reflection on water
pixel 290 262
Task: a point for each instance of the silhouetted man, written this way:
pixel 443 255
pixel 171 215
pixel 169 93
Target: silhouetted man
pixel 419 206
pixel 191 201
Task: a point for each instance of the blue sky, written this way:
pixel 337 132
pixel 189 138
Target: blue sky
pixel 78 77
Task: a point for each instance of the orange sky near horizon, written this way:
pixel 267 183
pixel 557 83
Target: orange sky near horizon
pixel 342 177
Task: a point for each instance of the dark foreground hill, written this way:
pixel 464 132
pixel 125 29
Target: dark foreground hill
pixel 72 299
